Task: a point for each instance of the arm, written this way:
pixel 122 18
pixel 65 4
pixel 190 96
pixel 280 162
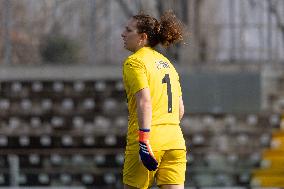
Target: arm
pixel 181 108
pixel 144 113
pixel 144 108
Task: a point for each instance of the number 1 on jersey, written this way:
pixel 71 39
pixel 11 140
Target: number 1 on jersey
pixel 167 80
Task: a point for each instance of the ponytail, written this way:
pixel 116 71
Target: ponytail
pixel 166 32
pixel 171 29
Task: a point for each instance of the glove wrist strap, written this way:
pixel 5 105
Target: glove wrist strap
pixel 144 134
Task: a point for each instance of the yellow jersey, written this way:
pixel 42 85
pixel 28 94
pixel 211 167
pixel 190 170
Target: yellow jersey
pixel 147 68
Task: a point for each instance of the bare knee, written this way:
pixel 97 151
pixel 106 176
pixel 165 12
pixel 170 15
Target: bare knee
pixel 172 186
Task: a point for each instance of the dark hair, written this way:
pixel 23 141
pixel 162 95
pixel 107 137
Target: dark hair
pixel 168 31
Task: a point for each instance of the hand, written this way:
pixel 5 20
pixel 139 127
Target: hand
pixel 145 152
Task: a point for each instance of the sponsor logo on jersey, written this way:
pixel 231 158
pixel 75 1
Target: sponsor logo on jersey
pixel 161 64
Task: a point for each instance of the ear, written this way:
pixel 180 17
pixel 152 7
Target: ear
pixel 144 36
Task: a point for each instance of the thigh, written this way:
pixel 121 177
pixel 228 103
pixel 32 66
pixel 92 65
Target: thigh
pixel 172 168
pixel 172 187
pixel 135 174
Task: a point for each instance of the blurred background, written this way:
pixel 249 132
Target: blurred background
pixel 63 114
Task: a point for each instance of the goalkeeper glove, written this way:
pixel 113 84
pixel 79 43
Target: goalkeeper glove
pixel 145 152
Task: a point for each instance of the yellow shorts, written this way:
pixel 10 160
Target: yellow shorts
pixel 171 169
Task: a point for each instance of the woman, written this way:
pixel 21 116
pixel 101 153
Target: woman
pixel 155 145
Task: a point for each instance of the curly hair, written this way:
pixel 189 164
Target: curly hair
pixel 166 32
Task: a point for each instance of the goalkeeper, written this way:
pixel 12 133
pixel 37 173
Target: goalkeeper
pixel 155 145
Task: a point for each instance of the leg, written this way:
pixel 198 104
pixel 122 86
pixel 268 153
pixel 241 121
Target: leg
pixel 172 186
pixel 171 172
pixel 135 175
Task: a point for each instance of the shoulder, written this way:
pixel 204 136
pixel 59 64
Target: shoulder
pixel 133 66
pixel 132 62
pixel 135 60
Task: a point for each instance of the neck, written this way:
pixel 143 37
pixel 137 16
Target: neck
pixel 140 48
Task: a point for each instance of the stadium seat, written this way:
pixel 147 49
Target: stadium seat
pixel 268 181
pixel 66 178
pixel 78 86
pixel 277 142
pixel 224 179
pixel 24 141
pixel 3 162
pixel 282 122
pixel 254 158
pixel 216 161
pixel 23 179
pixel 110 140
pixel 273 162
pixel 37 87
pixel 110 106
pixel 119 159
pixel 204 179
pixel 243 179
pixel 99 159
pixel 88 104
pixel 67 141
pixel 232 158
pixel 26 105
pixel 58 86
pixel 69 121
pixel 120 124
pixel 119 86
pixel 4 105
pixel 100 86
pixel 208 120
pixel 16 88
pixel 276 171
pixel 101 122
pixel 87 179
pixel 14 122
pixel 3 179
pixel 78 159
pixel 265 139
pixel 252 120
pixel 272 153
pixel 56 159
pixel 43 179
pixel 45 141
pixel 78 122
pixel 190 159
pixel 30 161
pixel 198 140
pixel 57 121
pixel 46 104
pixel 3 141
pixel 35 122
pixel 185 122
pixel 109 178
pixel 67 105
pixel 274 120
pixel 230 120
pixel 88 141
pixel 242 139
pixel 34 159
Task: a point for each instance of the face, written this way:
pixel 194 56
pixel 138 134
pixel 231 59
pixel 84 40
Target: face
pixel 131 37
